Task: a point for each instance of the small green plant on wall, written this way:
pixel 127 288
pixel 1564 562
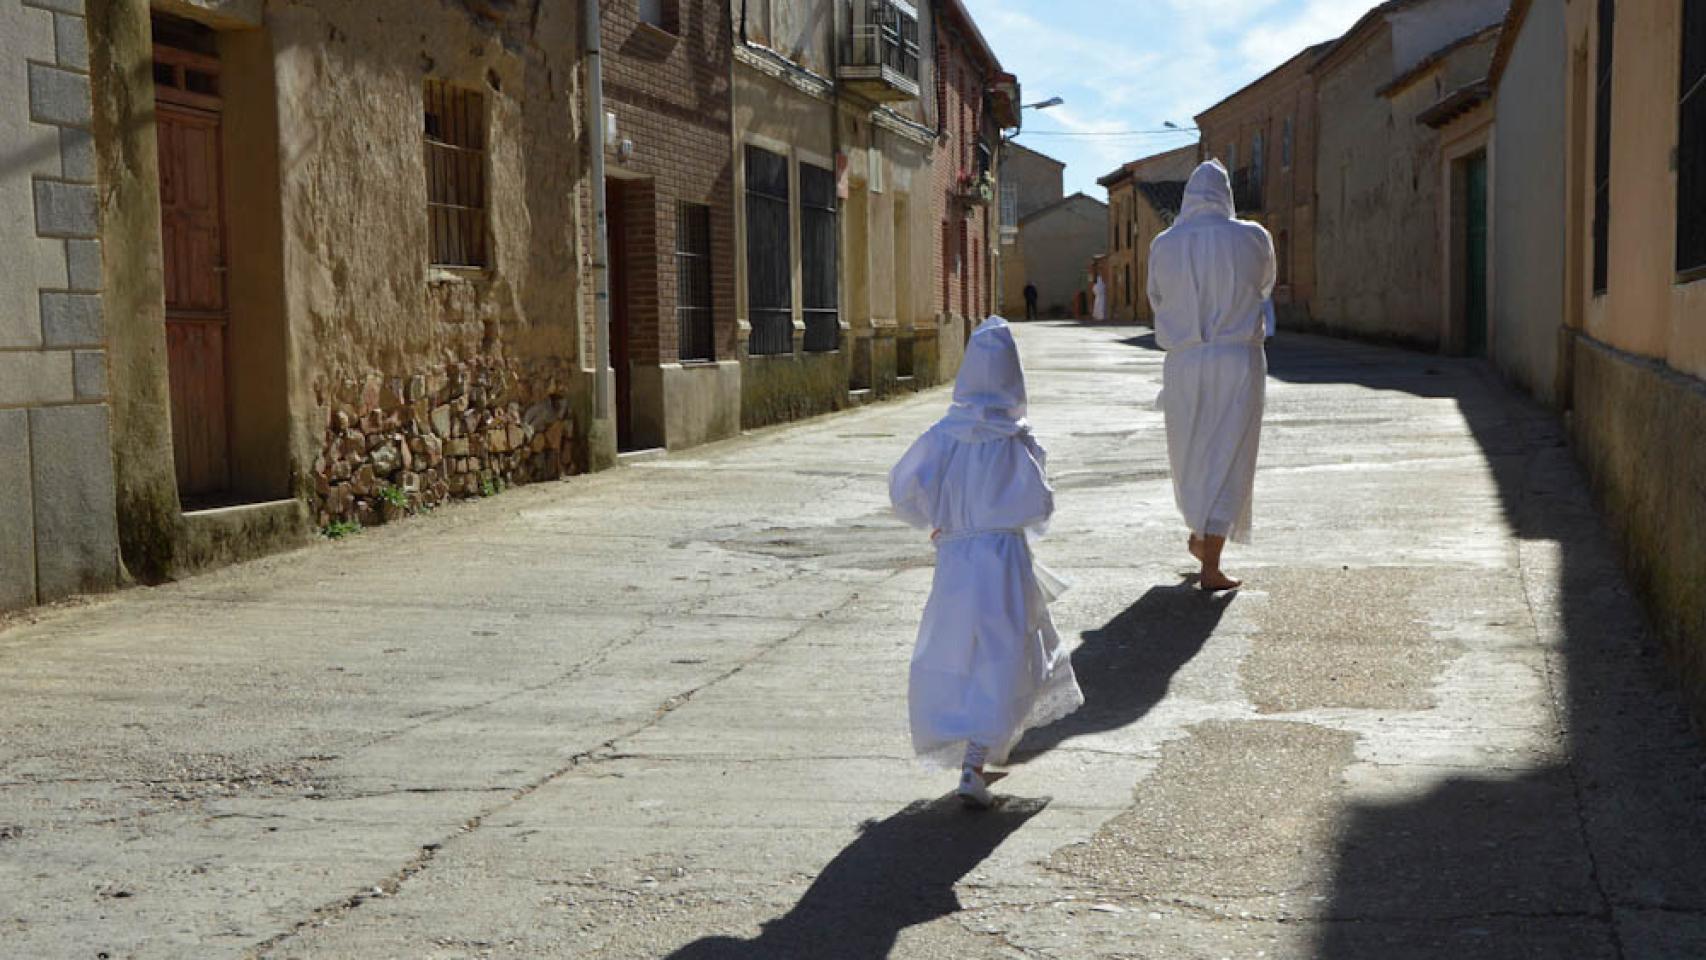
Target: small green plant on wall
pixel 339 529
pixel 395 496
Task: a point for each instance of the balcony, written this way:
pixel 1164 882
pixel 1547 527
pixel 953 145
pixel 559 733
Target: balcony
pixel 879 57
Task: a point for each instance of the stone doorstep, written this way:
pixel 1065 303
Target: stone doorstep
pixel 220 536
pixel 236 511
pixel 629 457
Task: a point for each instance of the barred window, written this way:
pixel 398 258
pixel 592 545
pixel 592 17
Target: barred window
pixel 693 313
pixel 1602 148
pixel 769 253
pixel 1285 145
pixel 819 236
pixel 455 144
pixel 1691 147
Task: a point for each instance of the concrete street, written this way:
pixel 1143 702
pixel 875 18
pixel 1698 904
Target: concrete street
pixel 660 712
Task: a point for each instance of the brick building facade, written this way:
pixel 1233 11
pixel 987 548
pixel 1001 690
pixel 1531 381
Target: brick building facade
pixel 975 101
pixel 1265 135
pixel 1142 200
pixel 670 194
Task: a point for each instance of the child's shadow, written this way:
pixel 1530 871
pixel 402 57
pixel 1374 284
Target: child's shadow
pixel 899 872
pixel 1125 667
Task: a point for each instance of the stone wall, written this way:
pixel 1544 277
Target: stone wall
pixel 58 535
pixel 464 429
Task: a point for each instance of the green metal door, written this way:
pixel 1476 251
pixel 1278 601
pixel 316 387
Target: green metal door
pixel 1475 257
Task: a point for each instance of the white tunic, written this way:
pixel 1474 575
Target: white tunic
pixel 1099 300
pixel 1210 277
pixel 988 664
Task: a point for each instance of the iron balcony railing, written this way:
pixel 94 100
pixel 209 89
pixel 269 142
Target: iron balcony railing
pixel 882 44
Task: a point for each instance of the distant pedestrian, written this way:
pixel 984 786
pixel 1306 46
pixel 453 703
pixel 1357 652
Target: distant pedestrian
pixel 1030 301
pixel 988 664
pixel 1099 300
pixel 1210 277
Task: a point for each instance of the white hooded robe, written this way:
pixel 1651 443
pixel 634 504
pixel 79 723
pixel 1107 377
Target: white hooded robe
pixel 988 664
pixel 1210 277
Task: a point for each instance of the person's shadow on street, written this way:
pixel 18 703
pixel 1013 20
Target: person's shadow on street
pixel 1126 666
pixel 899 872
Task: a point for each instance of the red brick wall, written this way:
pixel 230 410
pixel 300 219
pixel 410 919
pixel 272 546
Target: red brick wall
pixel 671 94
pixel 961 267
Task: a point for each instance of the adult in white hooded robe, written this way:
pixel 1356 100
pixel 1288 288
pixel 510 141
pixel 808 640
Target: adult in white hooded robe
pixel 1099 300
pixel 1210 278
pixel 988 664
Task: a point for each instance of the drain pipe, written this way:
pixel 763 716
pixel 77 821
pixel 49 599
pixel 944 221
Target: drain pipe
pixel 601 228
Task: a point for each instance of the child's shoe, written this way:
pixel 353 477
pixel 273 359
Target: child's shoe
pixel 973 792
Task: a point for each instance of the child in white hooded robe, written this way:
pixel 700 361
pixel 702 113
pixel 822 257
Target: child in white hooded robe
pixel 988 665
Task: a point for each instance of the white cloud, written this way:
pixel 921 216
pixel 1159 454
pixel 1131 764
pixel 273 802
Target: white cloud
pixel 1124 65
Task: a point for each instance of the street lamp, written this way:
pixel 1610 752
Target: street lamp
pixel 1042 104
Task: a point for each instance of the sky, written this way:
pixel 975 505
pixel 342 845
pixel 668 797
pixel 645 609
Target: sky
pixel 1126 67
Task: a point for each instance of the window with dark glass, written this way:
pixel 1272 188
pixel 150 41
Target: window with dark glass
pixel 455 128
pixel 1285 145
pixel 1691 146
pixel 659 13
pixel 1602 147
pixel 769 246
pixel 693 314
pixel 819 234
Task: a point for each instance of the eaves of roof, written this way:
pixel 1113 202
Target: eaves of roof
pixel 1432 60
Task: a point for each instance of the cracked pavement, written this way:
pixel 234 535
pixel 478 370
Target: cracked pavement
pixel 660 712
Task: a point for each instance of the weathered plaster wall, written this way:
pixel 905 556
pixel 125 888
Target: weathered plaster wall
pixel 1058 242
pixel 1631 414
pixel 1637 389
pixel 58 533
pixel 1039 179
pixel 428 382
pixel 1378 241
pixel 791 114
pixel 1527 255
pixel 1425 28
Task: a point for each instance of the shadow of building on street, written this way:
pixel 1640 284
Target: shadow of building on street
pixel 1599 853
pixel 1126 666
pixel 900 872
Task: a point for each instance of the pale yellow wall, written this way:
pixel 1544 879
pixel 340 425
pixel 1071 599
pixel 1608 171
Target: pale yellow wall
pixel 776 116
pixel 1645 310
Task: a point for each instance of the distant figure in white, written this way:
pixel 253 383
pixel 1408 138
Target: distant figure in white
pixel 1099 300
pixel 988 664
pixel 1210 277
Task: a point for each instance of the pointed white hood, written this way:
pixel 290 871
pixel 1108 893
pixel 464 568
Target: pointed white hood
pixel 1208 193
pixel 989 393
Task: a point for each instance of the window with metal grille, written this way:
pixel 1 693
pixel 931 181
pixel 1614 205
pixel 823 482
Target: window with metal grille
pixel 819 234
pixel 1285 145
pixel 456 176
pixel 1602 148
pixel 769 245
pixel 693 314
pixel 1009 204
pixel 1691 147
pixel 1258 160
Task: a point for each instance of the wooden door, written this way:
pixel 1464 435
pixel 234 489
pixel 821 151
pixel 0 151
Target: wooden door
pixel 192 215
pixel 1475 257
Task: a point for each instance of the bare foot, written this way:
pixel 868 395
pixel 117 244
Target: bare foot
pixel 1214 581
pixel 1194 545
